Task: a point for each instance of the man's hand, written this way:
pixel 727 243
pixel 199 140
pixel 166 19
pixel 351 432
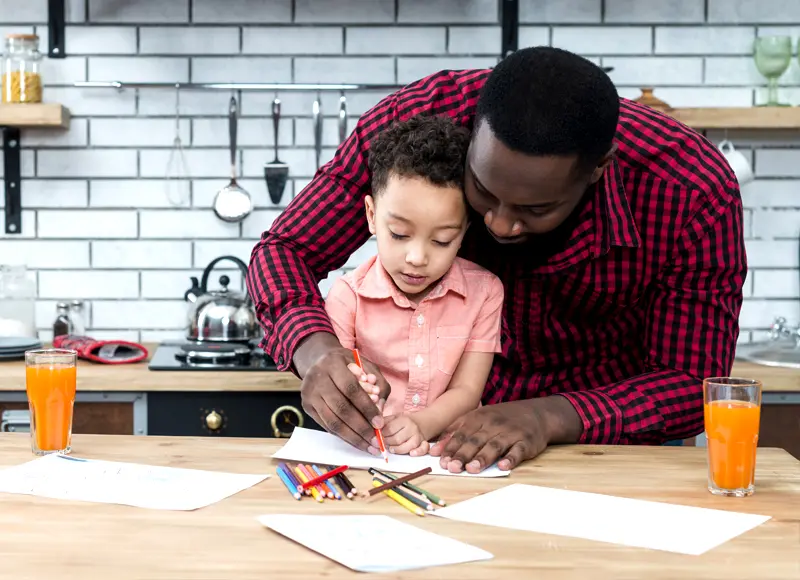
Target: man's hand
pixel 331 393
pixel 506 433
pixel 404 436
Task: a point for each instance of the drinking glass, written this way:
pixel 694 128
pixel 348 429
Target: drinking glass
pixel 50 381
pixel 732 411
pixel 772 56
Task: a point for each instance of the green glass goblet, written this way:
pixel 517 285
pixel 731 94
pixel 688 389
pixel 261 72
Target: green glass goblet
pixel 772 56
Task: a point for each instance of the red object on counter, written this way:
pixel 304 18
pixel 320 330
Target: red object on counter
pixel 113 352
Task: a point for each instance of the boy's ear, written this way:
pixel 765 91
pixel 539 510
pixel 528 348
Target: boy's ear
pixel 369 205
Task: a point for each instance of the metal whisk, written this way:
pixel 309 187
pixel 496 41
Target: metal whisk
pixel 177 168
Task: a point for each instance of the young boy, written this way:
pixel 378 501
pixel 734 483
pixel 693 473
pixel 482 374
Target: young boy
pixel 429 320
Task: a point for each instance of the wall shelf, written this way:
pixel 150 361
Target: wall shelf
pixel 739 117
pixel 34 115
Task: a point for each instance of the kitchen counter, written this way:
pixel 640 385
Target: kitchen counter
pixel 56 538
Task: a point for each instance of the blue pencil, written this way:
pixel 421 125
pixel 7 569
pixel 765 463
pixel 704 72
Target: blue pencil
pixel 291 475
pixel 288 483
pixel 328 482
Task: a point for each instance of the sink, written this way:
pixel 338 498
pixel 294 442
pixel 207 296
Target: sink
pixel 774 353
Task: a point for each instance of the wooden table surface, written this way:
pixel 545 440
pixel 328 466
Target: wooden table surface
pixel 137 377
pixel 60 539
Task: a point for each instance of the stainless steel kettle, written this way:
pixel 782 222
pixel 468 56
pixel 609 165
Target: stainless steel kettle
pixel 220 315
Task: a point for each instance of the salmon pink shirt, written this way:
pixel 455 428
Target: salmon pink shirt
pixel 417 346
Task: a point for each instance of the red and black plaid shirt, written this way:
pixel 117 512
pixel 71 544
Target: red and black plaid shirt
pixel 638 305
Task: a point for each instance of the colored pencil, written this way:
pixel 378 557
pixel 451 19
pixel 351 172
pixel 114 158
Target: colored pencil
pixel 321 476
pixel 434 498
pixel 290 474
pixel 349 483
pixel 395 481
pixel 325 479
pixel 348 491
pixel 311 475
pixel 378 434
pixel 288 483
pixel 303 478
pixel 411 496
pixel 401 500
pixel 407 491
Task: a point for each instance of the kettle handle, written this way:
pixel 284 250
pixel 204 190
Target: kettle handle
pixel 210 267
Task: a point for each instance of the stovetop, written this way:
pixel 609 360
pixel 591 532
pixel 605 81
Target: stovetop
pixel 196 356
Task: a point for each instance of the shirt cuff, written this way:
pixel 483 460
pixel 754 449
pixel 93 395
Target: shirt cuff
pixel 601 418
pixel 280 342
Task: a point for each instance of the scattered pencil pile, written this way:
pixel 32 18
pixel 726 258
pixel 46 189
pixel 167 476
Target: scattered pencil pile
pixel 332 483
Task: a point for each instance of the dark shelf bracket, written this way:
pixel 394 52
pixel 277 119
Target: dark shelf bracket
pixel 509 19
pixel 55 24
pixel 11 176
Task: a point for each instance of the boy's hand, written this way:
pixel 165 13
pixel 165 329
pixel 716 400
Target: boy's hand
pixel 369 383
pixel 403 436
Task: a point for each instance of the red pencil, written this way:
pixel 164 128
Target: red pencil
pixel 325 476
pixel 378 433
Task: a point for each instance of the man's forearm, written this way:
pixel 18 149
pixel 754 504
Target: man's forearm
pixel 561 421
pixel 311 349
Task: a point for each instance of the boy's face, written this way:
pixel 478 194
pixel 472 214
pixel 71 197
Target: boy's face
pixel 419 227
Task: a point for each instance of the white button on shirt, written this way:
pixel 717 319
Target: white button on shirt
pixel 419 361
pixel 415 399
pixel 420 320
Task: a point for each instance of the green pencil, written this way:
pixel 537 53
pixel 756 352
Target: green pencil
pixel 434 498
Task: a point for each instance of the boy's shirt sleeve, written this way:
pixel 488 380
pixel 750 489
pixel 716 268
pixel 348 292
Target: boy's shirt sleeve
pixel 485 335
pixel 340 305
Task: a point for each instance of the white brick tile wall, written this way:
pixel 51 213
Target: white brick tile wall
pixel 704 40
pixel 82 224
pixel 242 69
pixel 172 40
pixel 139 11
pixel 605 40
pixel 395 40
pixel 474 39
pixel 293 40
pixel 560 11
pixel 424 11
pixel 141 254
pixel 97 221
pixel 88 284
pixel 661 11
pixel 344 11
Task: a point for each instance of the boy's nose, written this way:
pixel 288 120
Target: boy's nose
pixel 416 257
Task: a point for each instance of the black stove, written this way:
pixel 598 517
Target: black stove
pixel 210 356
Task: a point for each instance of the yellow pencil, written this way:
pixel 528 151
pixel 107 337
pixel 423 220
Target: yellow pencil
pixel 314 492
pixel 400 499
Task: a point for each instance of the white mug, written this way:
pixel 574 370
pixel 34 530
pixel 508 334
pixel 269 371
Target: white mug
pixel 738 162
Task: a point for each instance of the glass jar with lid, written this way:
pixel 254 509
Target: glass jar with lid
pixel 17 302
pixel 21 80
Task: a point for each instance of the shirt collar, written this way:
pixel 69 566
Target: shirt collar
pixel 377 284
pixel 620 228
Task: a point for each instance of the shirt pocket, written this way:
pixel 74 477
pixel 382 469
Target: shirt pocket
pixel 450 344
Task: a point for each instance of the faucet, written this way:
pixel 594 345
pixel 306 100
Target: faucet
pixel 780 329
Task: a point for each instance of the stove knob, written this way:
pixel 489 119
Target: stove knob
pixel 213 420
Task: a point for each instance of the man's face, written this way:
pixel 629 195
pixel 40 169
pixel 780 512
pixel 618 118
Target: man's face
pixel 521 195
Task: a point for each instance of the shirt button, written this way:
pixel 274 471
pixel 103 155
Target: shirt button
pixel 419 360
pixel 415 399
pixel 420 320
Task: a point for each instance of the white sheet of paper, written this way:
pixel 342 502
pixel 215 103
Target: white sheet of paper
pixel 312 446
pixel 146 486
pixel 604 518
pixel 373 543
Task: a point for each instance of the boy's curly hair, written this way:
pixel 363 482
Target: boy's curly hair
pixel 431 147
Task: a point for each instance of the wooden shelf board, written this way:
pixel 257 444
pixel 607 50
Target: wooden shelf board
pixel 739 117
pixel 33 115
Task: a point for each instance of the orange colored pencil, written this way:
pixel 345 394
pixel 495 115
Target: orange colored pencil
pixel 378 433
pixel 303 477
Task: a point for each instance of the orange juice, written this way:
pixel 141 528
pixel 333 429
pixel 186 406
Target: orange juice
pixel 51 396
pixel 732 434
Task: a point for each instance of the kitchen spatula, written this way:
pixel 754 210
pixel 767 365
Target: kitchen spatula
pixel 276 172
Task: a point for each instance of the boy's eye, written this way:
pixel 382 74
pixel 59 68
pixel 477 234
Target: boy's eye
pixel 397 236
pixel 442 244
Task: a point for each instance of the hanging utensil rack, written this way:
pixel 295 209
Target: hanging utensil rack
pixel 236 86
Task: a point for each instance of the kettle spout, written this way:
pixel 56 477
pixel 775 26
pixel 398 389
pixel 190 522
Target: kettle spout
pixel 194 292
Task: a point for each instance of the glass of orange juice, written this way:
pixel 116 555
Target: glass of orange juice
pixel 50 380
pixel 732 412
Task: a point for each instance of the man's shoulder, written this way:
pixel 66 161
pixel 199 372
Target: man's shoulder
pixel 655 143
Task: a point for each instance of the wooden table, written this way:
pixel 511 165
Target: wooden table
pixel 59 539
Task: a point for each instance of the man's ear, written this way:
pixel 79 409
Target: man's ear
pixel 369 205
pixel 598 171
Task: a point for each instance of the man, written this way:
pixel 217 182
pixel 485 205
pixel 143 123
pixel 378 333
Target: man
pixel 616 231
